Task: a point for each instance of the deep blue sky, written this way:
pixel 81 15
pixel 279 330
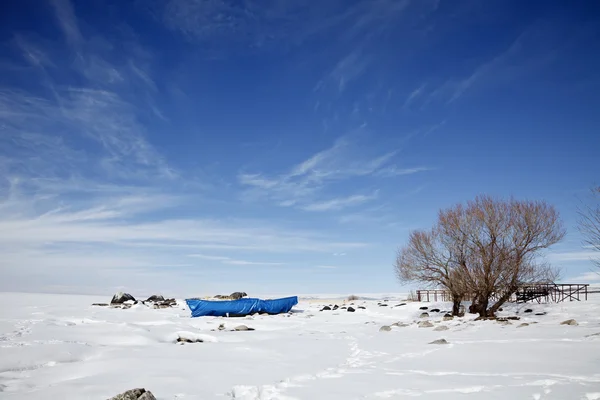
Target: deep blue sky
pixel 193 146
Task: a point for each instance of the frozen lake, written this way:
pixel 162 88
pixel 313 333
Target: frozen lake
pixel 61 347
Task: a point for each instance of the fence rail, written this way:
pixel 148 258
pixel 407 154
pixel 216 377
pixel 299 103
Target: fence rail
pixel 541 292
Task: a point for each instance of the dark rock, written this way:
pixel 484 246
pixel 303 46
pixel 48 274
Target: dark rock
pixel 242 328
pixel 100 304
pixel 187 340
pixel 435 310
pixel 326 308
pixel 362 307
pixel 529 310
pixel 501 309
pixel 351 309
pixel 336 307
pixel 448 317
pixel 221 327
pixel 121 298
pixel 135 394
pixel 383 305
pixel 540 313
pixel 385 328
pixel 439 341
pixel 238 295
pixel 343 308
pixel 156 298
pixel 423 308
pixel 400 305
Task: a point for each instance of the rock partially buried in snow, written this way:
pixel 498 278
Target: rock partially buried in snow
pixel 523 325
pixel 135 394
pixel 385 328
pixel 121 298
pixel 424 315
pixel 440 341
pixel 155 298
pixel 362 307
pixel 351 309
pixel 571 322
pixel 440 328
pixel 326 308
pixel 435 310
pixel 400 305
pixel 400 324
pixel 448 317
pixel 100 304
pixel 529 310
pixel 238 295
pixel 423 308
pixel 425 324
pixel 242 328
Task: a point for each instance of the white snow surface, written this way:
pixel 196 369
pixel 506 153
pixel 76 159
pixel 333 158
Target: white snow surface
pixel 61 347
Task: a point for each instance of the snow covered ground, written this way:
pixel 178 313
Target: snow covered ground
pixel 60 347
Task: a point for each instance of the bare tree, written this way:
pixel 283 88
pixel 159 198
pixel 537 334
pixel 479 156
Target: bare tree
pixel 483 250
pixel 431 260
pixel 589 223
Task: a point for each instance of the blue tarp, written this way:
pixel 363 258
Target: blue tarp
pixel 241 307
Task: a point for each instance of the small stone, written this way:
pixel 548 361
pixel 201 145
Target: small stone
pixel 523 325
pixel 540 313
pixel 343 308
pixel 383 305
pixel 362 307
pixel 336 307
pixel 424 315
pixel 155 298
pixel 425 324
pixel 135 394
pixel 326 308
pixel 237 295
pixel 242 328
pixel 351 309
pixel 439 341
pixel 529 310
pixel 400 324
pixel 571 322
pixel 221 327
pixel 423 308
pixel 400 305
pixel 448 317
pixel 435 310
pixel 100 304
pixel 385 328
pixel 441 328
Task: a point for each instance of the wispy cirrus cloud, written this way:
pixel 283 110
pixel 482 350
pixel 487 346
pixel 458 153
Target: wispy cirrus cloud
pixel 232 261
pixel 304 185
pixel 339 203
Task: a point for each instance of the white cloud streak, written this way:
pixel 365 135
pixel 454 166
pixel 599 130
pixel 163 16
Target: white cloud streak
pixel 304 184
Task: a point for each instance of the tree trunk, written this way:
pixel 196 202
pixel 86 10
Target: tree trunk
pixel 456 300
pixel 480 306
pixel 503 299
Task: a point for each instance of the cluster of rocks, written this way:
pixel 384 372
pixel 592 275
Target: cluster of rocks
pixel 347 308
pixel 239 328
pixel 135 394
pixel 232 296
pixel 125 301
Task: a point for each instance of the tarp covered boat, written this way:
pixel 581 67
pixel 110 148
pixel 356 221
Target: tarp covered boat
pixel 241 307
